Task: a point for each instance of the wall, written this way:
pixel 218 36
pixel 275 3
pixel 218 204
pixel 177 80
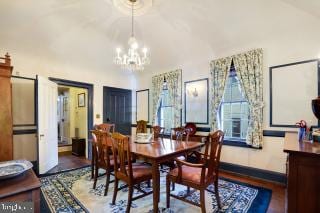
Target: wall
pixel 76 41
pixel 298 42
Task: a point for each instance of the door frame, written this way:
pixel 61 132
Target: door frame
pixel 107 89
pixel 89 87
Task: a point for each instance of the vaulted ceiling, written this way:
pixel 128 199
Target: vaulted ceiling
pixel 85 33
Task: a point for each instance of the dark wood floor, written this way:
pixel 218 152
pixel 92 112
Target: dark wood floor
pixel 67 162
pixel 277 204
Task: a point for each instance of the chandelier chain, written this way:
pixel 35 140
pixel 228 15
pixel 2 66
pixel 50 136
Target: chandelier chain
pixel 132 20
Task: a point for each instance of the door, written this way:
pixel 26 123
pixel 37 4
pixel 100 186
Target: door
pixel 117 108
pixel 47 94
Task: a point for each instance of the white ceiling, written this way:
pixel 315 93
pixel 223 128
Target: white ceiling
pixel 86 32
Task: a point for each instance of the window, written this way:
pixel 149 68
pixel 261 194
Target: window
pixel 165 112
pixel 234 110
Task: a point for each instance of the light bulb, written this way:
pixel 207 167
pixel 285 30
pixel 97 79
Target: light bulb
pixel 134 45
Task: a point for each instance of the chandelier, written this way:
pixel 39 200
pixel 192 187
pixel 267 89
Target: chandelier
pixel 132 60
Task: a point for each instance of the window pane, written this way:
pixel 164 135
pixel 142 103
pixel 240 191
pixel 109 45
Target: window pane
pixel 165 115
pixel 236 128
pixel 226 111
pixel 234 110
pixel 227 125
pixel 244 128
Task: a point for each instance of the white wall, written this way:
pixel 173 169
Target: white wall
pixel 297 43
pixel 76 41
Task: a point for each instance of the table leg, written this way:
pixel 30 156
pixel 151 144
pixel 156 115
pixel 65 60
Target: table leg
pixel 155 185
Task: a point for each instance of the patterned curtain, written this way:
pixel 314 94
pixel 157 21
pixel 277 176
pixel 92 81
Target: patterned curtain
pixel 157 84
pixel 249 71
pixel 219 73
pixel 174 89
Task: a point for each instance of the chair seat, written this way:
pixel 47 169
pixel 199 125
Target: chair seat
pixel 189 174
pixel 141 171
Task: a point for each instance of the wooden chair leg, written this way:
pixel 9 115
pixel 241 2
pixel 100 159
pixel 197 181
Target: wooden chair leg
pixel 130 193
pixel 107 183
pixel 92 171
pixel 95 177
pixel 202 201
pixel 173 186
pixel 149 183
pixel 168 191
pixel 216 192
pixel 188 189
pixel 115 191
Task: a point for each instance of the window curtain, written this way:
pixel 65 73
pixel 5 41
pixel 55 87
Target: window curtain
pixel 174 89
pixel 173 79
pixel 157 85
pixel 248 67
pixel 219 73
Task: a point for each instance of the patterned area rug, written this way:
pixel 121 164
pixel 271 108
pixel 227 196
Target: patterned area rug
pixel 72 192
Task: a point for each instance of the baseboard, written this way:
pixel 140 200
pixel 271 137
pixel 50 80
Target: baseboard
pixel 64 153
pixel 254 172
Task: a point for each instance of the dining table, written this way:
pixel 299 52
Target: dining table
pixel 157 151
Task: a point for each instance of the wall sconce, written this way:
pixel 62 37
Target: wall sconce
pixel 193 93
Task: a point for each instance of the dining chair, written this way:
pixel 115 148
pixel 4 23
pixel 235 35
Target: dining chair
pixel 141 126
pixel 199 176
pixel 102 158
pixel 125 170
pixel 158 131
pixel 180 133
pixel 105 127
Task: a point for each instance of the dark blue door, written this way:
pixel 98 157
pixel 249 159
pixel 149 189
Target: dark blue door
pixel 117 108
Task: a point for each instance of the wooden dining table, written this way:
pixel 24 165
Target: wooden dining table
pixel 159 151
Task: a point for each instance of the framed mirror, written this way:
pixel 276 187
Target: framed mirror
pixel 196 102
pixel 142 105
pixel 292 87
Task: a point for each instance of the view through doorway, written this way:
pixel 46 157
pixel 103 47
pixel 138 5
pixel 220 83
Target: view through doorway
pixel 72 120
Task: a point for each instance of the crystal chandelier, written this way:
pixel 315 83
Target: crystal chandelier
pixel 132 60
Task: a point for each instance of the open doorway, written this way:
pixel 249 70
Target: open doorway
pixel 72 124
pixel 74 120
pixel 72 109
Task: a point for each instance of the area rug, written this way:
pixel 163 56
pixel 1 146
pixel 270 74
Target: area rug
pixel 72 192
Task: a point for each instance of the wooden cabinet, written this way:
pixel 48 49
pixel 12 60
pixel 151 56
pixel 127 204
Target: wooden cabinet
pixel 25 187
pixel 6 139
pixel 303 175
pixel 78 146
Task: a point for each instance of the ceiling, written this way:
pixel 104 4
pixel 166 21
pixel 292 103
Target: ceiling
pixel 85 33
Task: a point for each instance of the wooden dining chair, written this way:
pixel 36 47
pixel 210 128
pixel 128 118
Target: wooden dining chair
pixel 158 131
pixel 104 127
pixel 141 126
pixel 131 173
pixel 199 176
pixel 180 133
pixel 102 158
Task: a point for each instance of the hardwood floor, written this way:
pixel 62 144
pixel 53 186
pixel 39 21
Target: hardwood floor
pixel 67 162
pixel 277 204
